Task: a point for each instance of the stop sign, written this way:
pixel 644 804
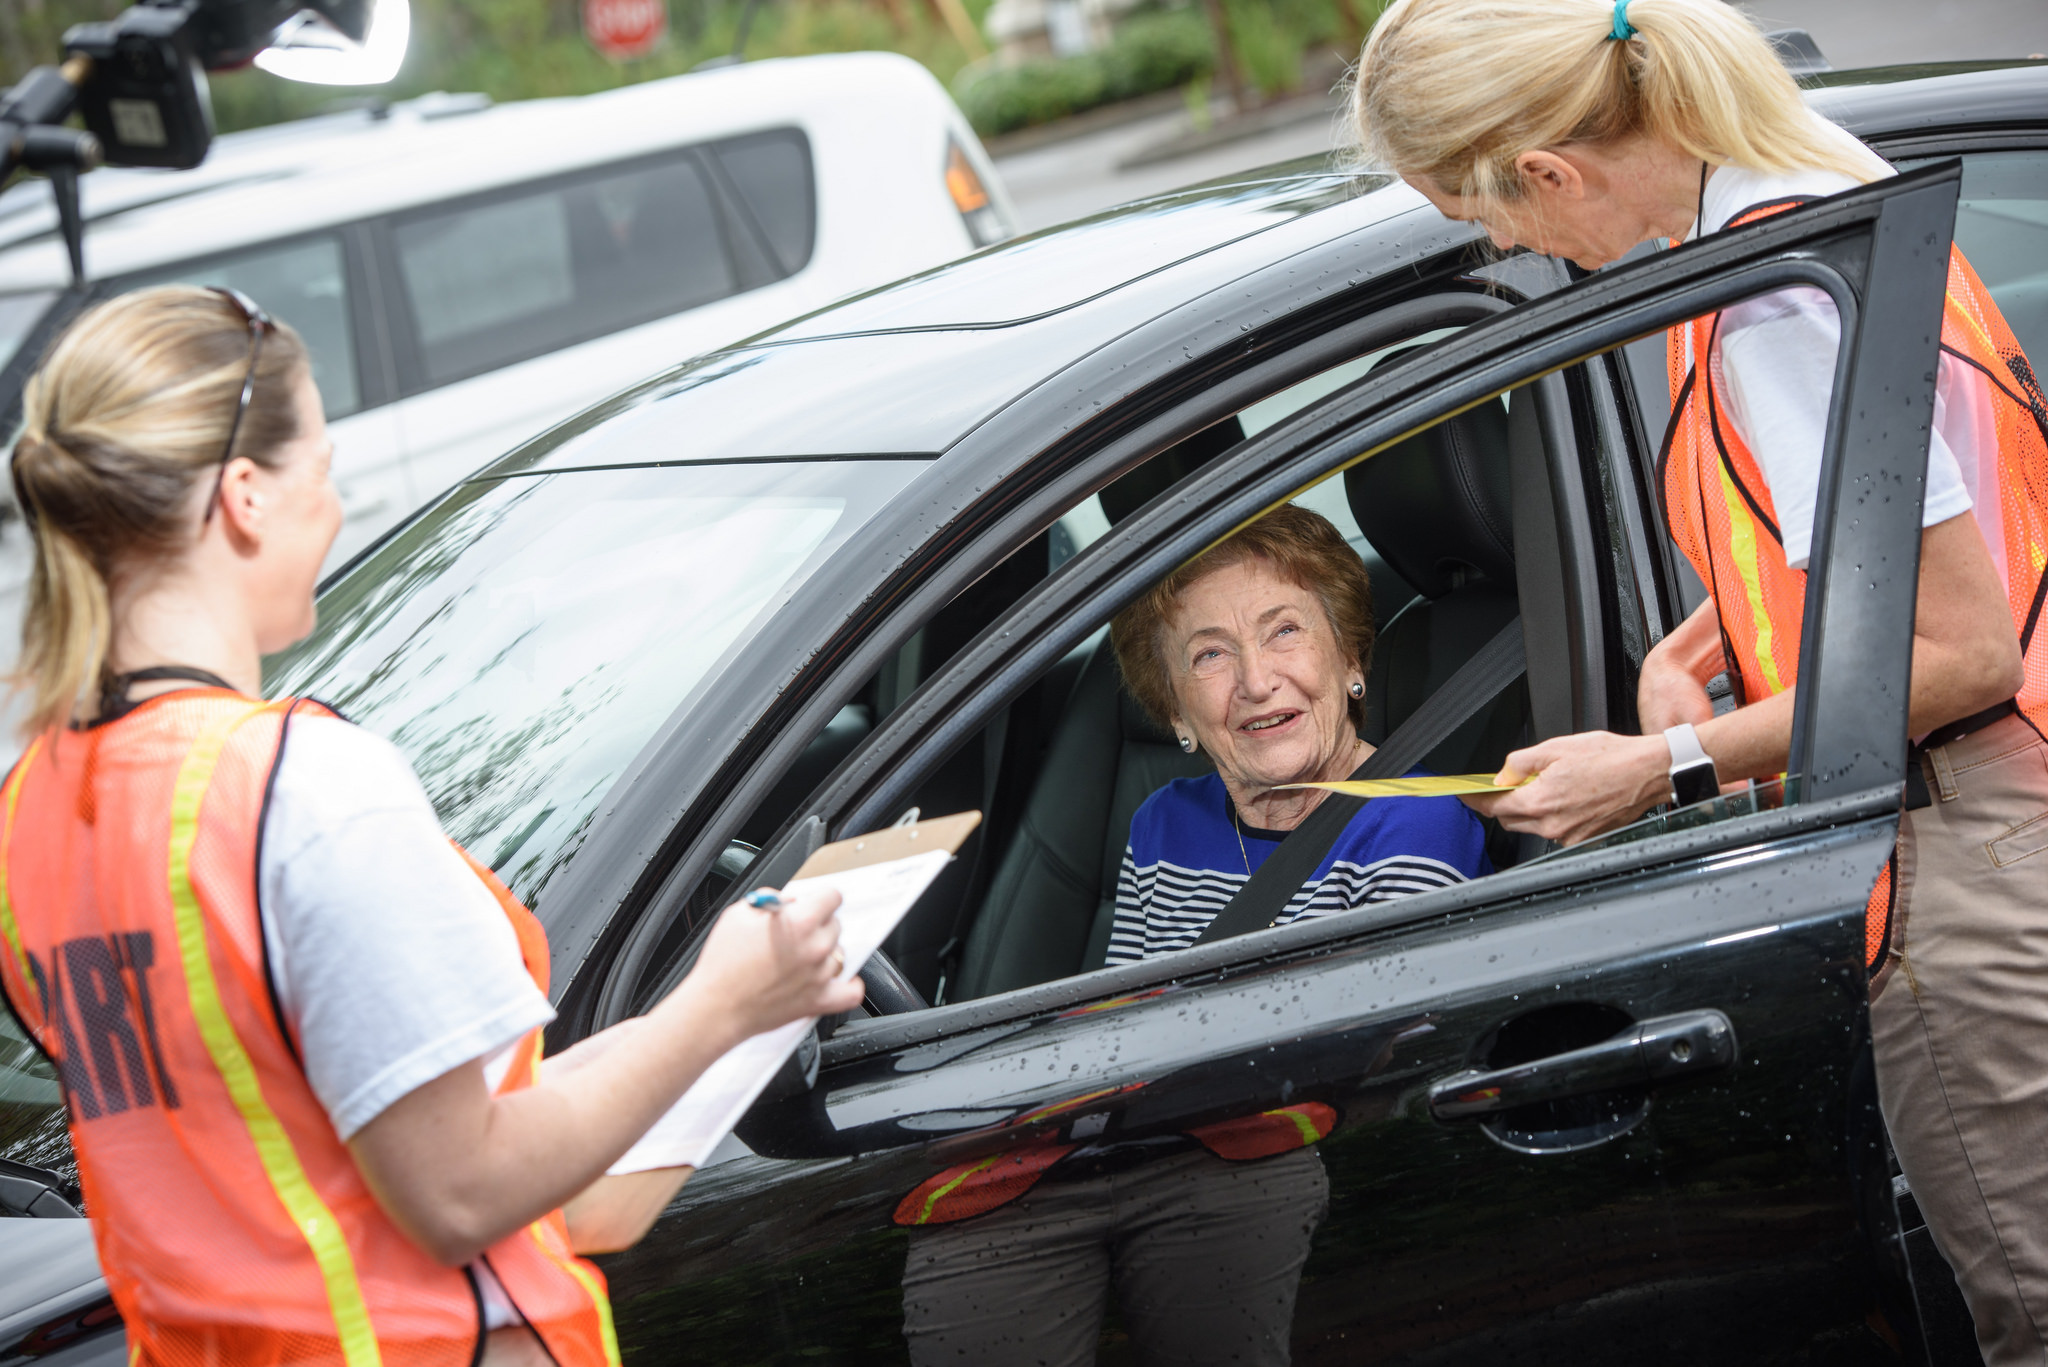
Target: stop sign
pixel 623 29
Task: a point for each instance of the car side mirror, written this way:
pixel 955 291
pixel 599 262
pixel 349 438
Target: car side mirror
pixel 37 1193
pixel 799 1072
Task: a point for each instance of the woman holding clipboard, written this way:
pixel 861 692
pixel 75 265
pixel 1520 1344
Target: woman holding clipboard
pixel 298 1029
pixel 1583 128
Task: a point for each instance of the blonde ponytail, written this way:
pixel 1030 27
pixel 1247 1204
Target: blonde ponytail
pixel 126 414
pixel 1456 90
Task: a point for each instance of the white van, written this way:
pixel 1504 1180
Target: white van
pixel 467 275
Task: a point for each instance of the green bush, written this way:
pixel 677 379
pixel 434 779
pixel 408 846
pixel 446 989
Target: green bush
pixel 1150 52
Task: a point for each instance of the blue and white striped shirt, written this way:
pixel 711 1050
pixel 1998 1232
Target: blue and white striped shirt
pixel 1183 863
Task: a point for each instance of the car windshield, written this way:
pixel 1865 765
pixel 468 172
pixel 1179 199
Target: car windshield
pixel 523 640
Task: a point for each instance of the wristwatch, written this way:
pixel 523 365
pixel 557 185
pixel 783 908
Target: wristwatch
pixel 1692 770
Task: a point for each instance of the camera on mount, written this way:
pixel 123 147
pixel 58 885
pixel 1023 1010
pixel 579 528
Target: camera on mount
pixel 145 99
pixel 139 83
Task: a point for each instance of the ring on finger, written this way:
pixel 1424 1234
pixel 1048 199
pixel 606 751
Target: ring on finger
pixel 838 961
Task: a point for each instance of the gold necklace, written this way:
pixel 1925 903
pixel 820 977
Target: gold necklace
pixel 1237 825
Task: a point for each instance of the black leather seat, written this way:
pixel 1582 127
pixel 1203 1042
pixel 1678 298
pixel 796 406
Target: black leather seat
pixel 1050 903
pixel 1436 509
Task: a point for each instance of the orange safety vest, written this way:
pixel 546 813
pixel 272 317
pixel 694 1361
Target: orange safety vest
pixel 232 1224
pixel 969 1189
pixel 1721 514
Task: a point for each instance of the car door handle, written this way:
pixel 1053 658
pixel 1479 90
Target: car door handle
pixel 1649 1052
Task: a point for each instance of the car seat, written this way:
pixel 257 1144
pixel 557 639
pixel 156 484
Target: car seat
pixel 1436 508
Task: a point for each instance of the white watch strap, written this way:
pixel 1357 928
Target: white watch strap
pixel 1685 744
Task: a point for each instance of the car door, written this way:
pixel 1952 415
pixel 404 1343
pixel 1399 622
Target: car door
pixel 1609 1104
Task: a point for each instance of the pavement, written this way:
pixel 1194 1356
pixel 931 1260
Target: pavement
pixel 1052 182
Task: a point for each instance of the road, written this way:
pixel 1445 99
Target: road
pixel 1069 179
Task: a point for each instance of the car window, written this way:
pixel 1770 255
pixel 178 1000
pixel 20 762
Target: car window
pixel 19 314
pixel 2002 227
pixel 772 172
pixel 302 283
pixel 31 1104
pixel 496 282
pixel 523 640
pixel 1064 769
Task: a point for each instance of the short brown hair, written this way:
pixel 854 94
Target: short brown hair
pixel 1304 547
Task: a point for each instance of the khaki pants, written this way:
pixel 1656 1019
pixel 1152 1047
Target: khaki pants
pixel 1205 1256
pixel 1959 1023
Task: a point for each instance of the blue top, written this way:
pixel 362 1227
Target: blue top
pixel 1183 863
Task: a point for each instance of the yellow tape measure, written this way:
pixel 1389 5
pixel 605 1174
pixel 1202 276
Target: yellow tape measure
pixel 1444 785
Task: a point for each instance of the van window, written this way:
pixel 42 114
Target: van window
pixel 772 172
pixel 302 283
pixel 18 316
pixel 493 283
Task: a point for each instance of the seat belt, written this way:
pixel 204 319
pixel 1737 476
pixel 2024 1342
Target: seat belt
pixel 1477 682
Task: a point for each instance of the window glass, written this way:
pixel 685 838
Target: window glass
pixel 31 1106
pixel 2002 227
pixel 302 283
pixel 495 283
pixel 773 174
pixel 523 641
pixel 18 316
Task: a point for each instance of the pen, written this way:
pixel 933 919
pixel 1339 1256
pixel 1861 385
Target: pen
pixel 765 899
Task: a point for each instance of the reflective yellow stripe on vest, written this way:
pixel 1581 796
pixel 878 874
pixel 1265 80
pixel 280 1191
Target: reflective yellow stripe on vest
pixel 597 1297
pixel 1309 1133
pixel 1742 536
pixel 274 1148
pixel 8 929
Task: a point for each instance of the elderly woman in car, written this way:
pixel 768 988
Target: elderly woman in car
pixel 1255 653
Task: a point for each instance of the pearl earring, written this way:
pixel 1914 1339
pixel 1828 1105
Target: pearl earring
pixel 1187 743
pixel 1357 689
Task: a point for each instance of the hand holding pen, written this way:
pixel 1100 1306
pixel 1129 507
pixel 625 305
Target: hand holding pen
pixel 772 959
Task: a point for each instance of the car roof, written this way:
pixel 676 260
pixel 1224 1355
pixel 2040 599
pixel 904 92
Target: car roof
pixel 1876 103
pixel 270 183
pixel 913 366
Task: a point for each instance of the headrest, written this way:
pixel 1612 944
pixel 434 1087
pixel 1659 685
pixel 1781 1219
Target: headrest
pixel 1124 496
pixel 1436 506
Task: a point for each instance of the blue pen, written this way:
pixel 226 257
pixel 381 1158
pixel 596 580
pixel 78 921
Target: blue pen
pixel 765 899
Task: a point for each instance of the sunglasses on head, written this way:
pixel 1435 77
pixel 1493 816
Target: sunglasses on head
pixel 259 328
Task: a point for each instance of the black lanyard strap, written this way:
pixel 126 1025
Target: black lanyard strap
pixel 114 703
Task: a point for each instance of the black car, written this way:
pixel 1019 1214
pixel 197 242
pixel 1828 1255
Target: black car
pixel 1611 1104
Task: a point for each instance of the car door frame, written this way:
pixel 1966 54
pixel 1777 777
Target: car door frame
pixel 1858 247
pixel 1100 416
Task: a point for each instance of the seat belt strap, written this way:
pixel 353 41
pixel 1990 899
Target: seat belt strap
pixel 1477 682
pixel 1474 684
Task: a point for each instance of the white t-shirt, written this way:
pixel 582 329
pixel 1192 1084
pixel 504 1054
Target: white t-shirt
pixel 1778 359
pixel 390 956
pixel 391 959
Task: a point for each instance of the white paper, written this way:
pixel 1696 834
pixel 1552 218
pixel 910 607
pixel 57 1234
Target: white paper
pixel 872 900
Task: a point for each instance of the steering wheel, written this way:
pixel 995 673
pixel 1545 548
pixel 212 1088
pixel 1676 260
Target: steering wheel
pixel 889 992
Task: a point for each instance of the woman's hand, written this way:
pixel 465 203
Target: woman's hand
pixel 762 968
pixel 1585 785
pixel 458 1168
pixel 1672 687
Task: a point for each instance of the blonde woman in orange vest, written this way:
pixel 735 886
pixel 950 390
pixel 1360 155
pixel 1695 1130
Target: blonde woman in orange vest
pixel 1583 128
pixel 298 1030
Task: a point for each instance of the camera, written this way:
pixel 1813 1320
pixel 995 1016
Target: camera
pixel 139 83
pixel 145 99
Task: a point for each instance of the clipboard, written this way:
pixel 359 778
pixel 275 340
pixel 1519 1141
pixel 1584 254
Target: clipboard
pixel 946 833
pixel 687 1134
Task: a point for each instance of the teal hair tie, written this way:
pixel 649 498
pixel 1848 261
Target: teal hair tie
pixel 1622 30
